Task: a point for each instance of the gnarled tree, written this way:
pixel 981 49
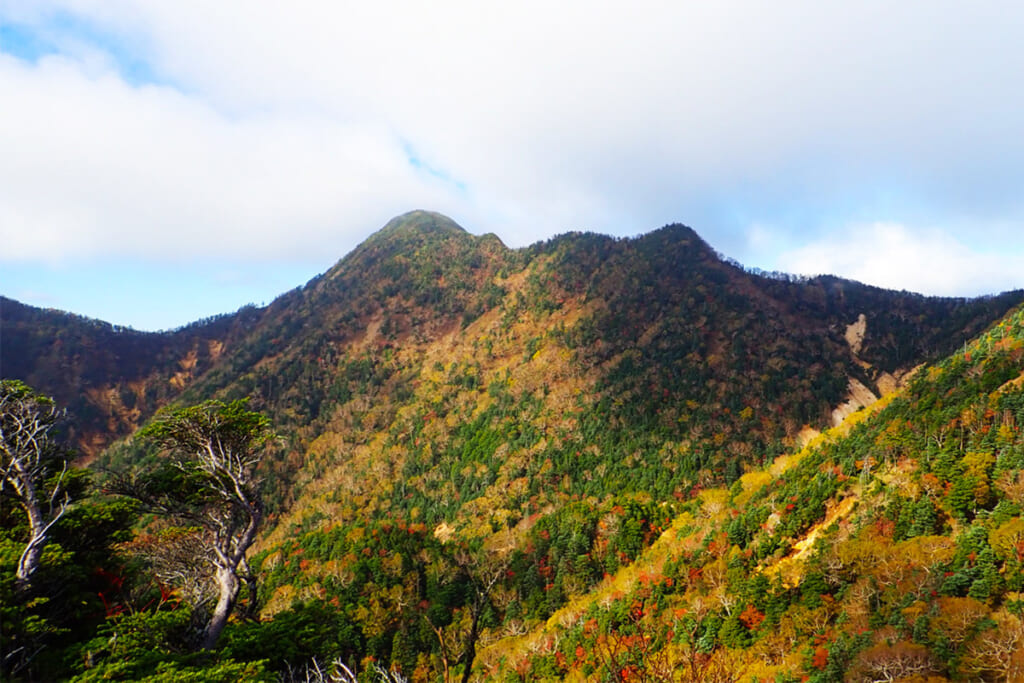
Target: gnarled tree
pixel 213 490
pixel 34 468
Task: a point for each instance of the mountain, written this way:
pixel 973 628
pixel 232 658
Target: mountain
pixel 551 422
pixel 648 326
pixel 888 548
pixel 109 378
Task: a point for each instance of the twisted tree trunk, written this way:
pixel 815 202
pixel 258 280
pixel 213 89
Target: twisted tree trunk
pixel 227 586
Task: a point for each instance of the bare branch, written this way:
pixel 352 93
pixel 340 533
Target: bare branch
pixel 211 483
pixel 33 468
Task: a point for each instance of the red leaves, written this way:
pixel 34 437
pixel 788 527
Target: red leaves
pixel 751 617
pixel 114 580
pixel 885 527
pixel 820 659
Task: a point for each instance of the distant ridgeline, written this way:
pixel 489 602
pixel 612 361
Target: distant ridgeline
pixel 583 458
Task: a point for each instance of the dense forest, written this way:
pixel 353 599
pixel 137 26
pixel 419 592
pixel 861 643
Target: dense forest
pixel 591 459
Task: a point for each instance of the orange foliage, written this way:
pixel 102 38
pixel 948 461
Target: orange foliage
pixel 751 617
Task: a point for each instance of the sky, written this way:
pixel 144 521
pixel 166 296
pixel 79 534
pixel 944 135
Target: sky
pixel 168 160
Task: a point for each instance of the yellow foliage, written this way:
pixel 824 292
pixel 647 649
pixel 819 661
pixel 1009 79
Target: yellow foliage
pixel 281 600
pixel 752 483
pixel 714 501
pixel 784 462
pixel 978 462
pixel 1007 540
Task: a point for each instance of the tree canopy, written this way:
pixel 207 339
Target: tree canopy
pixel 216 448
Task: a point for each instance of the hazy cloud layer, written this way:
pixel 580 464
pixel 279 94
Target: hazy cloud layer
pixel 250 133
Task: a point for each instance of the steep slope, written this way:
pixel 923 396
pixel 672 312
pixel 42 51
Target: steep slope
pixel 460 372
pixel 570 416
pixel 112 379
pixel 891 548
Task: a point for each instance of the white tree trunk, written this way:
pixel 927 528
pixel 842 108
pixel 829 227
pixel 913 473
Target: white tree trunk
pixel 39 528
pixel 29 560
pixel 227 586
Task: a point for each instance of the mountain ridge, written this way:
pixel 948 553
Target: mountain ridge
pixel 441 276
pixel 592 458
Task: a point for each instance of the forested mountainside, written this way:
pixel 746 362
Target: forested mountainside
pixel 578 460
pixel 110 378
pixel 888 548
pixel 662 304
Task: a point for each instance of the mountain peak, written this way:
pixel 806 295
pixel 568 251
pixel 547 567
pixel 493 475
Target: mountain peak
pixel 403 234
pixel 407 233
pixel 421 221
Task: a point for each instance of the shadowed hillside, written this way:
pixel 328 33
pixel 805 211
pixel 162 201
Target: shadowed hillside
pixel 111 379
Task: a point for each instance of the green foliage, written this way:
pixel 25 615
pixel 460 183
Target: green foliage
pixel 148 647
pixel 77 585
pixel 550 414
pixel 294 637
pixel 237 429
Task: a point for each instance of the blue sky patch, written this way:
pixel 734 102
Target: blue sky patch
pixel 417 162
pixel 62 31
pixel 24 43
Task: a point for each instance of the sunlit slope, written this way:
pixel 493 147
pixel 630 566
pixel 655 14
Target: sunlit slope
pixel 539 433
pixel 440 376
pixel 892 545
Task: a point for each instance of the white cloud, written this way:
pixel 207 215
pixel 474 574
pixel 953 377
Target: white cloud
pixel 276 130
pixel 893 256
pixel 93 166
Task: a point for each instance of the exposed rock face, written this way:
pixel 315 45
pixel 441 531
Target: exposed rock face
pixel 855 333
pixel 859 397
